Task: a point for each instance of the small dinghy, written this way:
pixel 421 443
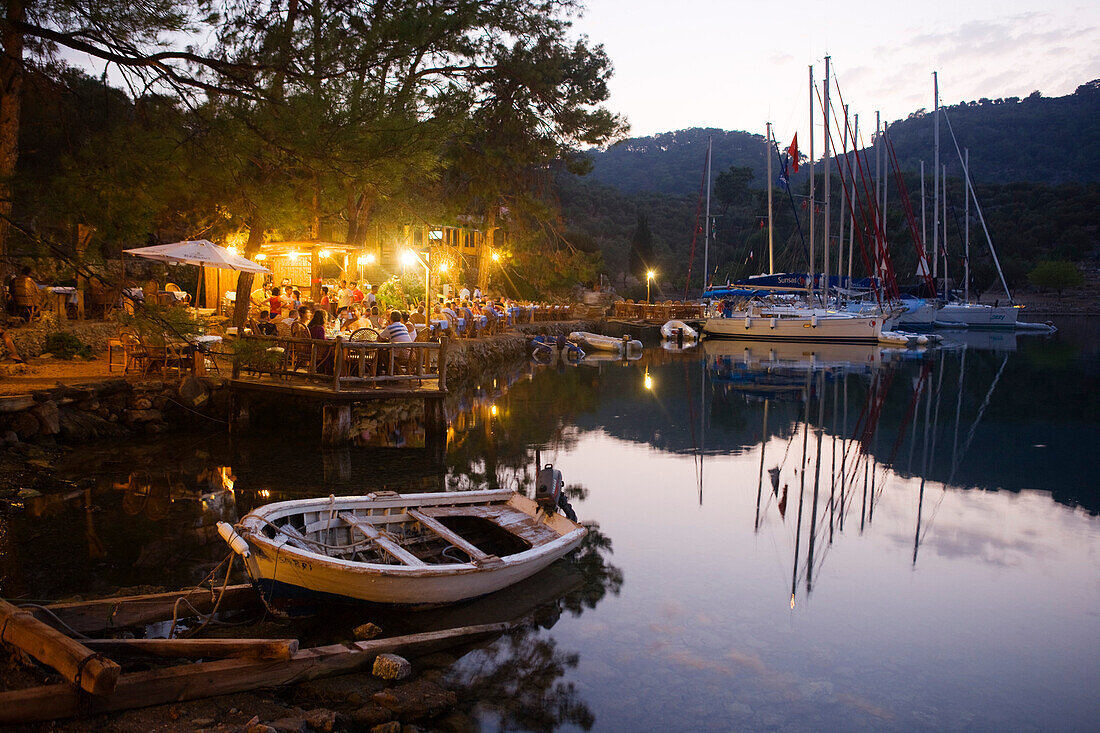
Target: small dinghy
pixel 604 343
pixel 408 549
pixel 669 331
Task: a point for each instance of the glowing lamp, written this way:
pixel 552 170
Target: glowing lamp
pixel 407 258
pixel 324 253
pixel 444 267
pixel 495 256
pixel 231 249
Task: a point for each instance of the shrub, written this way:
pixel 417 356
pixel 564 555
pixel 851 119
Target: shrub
pixel 65 345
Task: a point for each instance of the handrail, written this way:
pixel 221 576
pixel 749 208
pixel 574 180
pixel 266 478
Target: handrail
pixel 345 365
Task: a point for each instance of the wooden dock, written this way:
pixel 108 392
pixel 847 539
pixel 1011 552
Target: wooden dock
pixel 339 374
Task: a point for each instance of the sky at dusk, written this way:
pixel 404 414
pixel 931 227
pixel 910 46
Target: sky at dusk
pixel 736 66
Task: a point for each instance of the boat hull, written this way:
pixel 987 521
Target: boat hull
pixel 799 328
pixel 977 315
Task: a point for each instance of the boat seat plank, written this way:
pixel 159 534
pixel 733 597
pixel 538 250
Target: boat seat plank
pixel 513 520
pixel 386 543
pixel 294 538
pixel 476 555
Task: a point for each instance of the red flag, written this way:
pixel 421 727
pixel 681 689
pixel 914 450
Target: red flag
pixel 793 152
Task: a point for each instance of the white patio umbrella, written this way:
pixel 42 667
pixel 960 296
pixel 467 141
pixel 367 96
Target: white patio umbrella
pixel 201 252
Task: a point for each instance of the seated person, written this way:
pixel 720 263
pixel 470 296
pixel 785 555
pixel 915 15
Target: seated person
pixel 317 325
pixel 418 317
pixel 304 313
pixel 376 318
pixel 264 324
pixel 395 332
pixel 409 325
pixel 449 312
pixel 283 326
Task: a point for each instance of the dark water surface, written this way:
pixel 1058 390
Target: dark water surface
pixel 784 537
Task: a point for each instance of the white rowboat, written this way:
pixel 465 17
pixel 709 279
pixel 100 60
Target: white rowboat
pixel 409 549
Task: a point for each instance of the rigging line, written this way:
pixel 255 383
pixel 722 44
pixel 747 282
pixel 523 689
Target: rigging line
pixel 794 209
pixel 977 206
pixel 923 266
pixel 873 219
pixel 935 434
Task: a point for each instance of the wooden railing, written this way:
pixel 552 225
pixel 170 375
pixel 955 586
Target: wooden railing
pixel 342 365
pixel 657 312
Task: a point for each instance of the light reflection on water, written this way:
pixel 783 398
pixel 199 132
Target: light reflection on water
pixel 823 538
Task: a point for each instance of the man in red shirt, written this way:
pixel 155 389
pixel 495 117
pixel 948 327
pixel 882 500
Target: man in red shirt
pixel 356 293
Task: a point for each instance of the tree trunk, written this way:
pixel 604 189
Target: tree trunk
pixel 11 93
pixel 244 280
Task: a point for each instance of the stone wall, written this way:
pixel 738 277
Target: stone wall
pixel 31 339
pixel 115 408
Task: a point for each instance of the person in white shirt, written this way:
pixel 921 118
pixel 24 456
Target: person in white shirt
pixel 343 295
pixel 477 293
pixel 464 293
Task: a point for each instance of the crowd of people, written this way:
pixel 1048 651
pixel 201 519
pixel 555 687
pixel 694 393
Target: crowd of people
pixel 346 308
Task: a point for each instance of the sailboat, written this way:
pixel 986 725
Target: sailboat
pixel 965 313
pixel 768 320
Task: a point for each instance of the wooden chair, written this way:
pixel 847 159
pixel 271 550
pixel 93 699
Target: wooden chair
pixel 27 297
pixel 163 354
pixel 171 288
pixel 299 353
pixel 134 354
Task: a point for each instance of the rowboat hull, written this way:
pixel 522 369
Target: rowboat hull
pixel 283 571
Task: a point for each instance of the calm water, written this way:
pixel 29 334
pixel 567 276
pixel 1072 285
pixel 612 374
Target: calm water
pixel 853 539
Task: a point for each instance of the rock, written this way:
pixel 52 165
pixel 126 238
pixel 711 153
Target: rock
pixel 391 727
pixel 371 715
pixel 193 391
pixel 39 463
pixel 321 720
pixel 10 436
pixel 366 631
pixel 202 722
pixel 289 725
pixel 455 722
pixel 391 667
pixel 141 403
pixel 25 425
pixel 29 493
pixel 260 728
pixel 48 419
pixel 138 416
pixel 416 700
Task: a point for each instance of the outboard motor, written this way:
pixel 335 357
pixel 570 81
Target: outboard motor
pixel 550 492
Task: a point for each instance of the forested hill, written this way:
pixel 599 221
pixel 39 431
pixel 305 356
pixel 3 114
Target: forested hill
pixel 1036 139
pixel 672 162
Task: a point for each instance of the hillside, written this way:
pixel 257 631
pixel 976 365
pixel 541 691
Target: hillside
pixel 1035 163
pixel 1037 139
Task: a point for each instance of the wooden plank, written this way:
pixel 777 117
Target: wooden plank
pixel 98 616
pixel 294 538
pixel 513 520
pixel 386 543
pixel 197 648
pixel 221 677
pixel 479 557
pixel 77 663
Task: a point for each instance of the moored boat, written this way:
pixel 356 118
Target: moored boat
pixel 672 329
pixel 603 343
pixel 407 549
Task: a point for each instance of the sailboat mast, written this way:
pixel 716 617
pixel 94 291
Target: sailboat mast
pixel 768 156
pixel 935 176
pixel 843 210
pixel 825 222
pixel 923 219
pixel 706 235
pixel 878 194
pixel 966 222
pixel 852 195
pixel 810 282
